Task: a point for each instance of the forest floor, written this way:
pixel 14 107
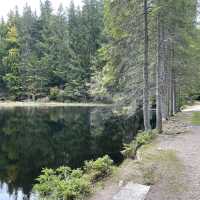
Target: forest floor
pixel 171 164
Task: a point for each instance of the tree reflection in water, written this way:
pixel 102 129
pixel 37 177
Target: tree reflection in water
pixel 34 138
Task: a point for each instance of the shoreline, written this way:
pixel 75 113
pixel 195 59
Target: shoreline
pixel 10 104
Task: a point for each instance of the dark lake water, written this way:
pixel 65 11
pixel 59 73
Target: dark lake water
pixel 34 138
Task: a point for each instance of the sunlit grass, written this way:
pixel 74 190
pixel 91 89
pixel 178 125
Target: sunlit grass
pixel 196 118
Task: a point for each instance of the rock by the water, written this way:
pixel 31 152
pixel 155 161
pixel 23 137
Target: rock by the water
pixel 132 191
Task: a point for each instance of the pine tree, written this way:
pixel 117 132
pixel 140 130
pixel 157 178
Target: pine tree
pixel 11 62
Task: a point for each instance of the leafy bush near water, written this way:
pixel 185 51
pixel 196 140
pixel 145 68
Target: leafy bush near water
pixel 54 93
pixel 67 184
pixel 129 150
pixel 143 138
pixel 98 169
pixel 57 94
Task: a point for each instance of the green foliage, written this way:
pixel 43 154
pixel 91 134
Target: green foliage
pixel 141 139
pixel 99 45
pixel 62 183
pixel 54 93
pixel 114 22
pixel 129 150
pixel 50 50
pixel 11 61
pixel 124 26
pixel 99 169
pixel 67 184
pixel 144 138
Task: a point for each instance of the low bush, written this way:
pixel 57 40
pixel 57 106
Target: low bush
pixel 62 183
pixel 98 169
pixel 67 184
pixel 54 93
pixel 129 150
pixel 142 138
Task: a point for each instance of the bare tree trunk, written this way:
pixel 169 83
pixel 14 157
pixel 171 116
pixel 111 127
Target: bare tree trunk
pixel 146 111
pixel 164 70
pixel 168 81
pixel 172 85
pixel 171 96
pixel 174 94
pixel 179 100
pixel 167 92
pixel 158 80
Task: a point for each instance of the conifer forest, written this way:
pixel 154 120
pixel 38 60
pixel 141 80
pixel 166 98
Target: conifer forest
pixel 85 87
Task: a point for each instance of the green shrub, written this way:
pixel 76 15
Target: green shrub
pixel 144 138
pixel 57 94
pixel 67 184
pixel 62 183
pixel 130 150
pixel 98 169
pixel 54 93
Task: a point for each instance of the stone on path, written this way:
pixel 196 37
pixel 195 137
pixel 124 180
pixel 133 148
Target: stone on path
pixel 132 191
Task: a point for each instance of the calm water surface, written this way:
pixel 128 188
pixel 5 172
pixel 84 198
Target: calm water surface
pixel 34 138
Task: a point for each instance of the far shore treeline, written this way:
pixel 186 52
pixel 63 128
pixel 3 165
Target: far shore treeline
pixel 132 53
pixel 50 54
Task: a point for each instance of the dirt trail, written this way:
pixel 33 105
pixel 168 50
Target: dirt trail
pixel 187 147
pixel 174 183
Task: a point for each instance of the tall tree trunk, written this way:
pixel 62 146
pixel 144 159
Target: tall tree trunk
pixel 174 82
pixel 179 103
pixel 171 89
pixel 146 111
pixel 158 79
pixel 164 74
pixel 174 94
pixel 170 95
pixel 169 78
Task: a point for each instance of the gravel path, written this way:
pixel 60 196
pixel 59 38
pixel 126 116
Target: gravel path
pixel 187 147
pixel 177 181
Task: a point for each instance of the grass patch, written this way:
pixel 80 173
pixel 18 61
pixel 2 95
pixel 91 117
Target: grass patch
pixel 196 118
pixel 162 167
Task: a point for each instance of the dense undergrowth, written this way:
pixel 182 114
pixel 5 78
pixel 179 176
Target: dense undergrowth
pixel 65 183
